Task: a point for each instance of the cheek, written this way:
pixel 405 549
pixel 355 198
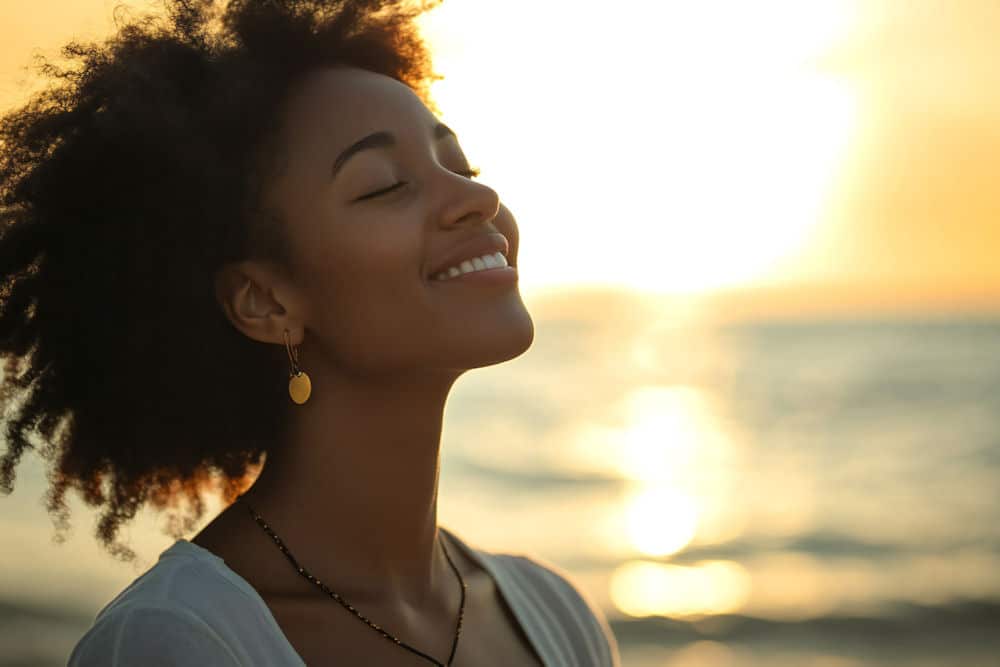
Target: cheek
pixel 370 319
pixel 372 275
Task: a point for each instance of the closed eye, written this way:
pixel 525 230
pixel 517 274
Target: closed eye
pixel 468 173
pixel 383 191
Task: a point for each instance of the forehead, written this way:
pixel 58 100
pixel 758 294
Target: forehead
pixel 342 104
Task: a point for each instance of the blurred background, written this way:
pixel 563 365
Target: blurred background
pixel 760 422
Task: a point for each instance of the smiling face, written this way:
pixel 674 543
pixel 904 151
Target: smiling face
pixel 368 221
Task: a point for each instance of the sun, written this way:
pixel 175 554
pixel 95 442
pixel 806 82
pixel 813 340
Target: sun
pixel 695 149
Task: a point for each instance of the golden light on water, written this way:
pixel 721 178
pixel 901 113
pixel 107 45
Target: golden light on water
pixel 669 427
pixel 795 586
pixel 710 653
pixel 640 588
pixel 668 444
pixel 661 521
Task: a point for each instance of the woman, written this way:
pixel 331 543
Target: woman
pixel 207 201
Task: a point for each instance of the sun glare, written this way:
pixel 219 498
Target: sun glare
pixel 694 149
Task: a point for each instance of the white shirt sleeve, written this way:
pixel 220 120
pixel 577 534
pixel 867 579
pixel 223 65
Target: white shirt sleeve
pixel 586 633
pixel 151 635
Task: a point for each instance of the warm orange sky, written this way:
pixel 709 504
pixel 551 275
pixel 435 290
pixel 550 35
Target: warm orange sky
pixel 712 147
pixel 920 202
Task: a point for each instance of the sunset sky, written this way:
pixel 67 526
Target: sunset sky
pixel 706 148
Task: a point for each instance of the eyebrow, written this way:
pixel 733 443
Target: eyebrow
pixel 382 140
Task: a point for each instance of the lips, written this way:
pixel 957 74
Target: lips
pixel 483 244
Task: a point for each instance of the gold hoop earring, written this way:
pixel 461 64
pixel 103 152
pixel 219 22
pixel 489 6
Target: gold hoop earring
pixel 299 386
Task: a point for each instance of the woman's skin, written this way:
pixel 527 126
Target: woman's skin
pixel 352 491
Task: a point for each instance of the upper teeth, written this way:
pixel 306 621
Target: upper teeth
pixel 475 264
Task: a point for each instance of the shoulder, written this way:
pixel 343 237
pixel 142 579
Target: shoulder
pixel 147 632
pixel 564 602
pixel 183 610
pixel 554 609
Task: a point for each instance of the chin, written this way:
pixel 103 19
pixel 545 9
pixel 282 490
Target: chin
pixel 516 343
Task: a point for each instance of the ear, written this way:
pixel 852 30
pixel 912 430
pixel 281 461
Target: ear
pixel 259 302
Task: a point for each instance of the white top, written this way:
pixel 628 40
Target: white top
pixel 190 608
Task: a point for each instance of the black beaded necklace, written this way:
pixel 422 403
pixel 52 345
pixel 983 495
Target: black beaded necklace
pixel 301 570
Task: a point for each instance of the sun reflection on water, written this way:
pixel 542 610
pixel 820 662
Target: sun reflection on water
pixel 661 521
pixel 673 450
pixel 642 588
pixel 666 428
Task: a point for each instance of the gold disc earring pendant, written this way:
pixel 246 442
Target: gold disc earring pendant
pixel 299 385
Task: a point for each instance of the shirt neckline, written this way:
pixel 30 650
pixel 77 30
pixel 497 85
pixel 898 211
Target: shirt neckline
pixel 481 558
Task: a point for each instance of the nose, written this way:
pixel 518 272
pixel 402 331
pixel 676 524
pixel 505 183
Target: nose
pixel 468 202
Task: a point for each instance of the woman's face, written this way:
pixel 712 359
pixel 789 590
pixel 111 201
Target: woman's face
pixel 363 247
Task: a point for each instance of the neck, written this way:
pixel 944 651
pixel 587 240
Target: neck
pixel 352 491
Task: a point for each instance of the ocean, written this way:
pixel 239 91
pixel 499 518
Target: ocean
pixel 775 492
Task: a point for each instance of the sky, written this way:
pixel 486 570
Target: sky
pixel 782 149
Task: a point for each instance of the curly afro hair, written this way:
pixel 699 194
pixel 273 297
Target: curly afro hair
pixel 124 186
